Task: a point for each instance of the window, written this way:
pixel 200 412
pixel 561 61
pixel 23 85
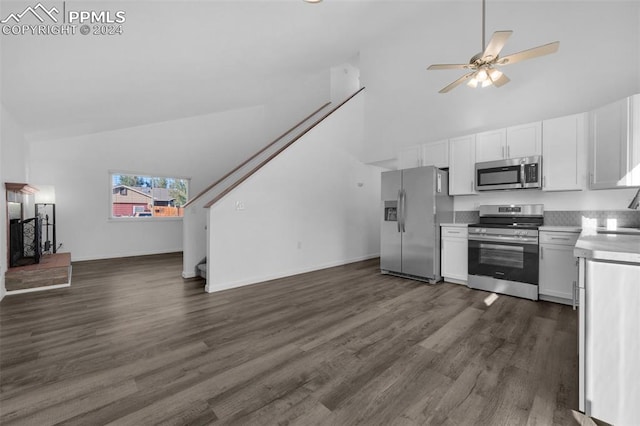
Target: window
pixel 140 196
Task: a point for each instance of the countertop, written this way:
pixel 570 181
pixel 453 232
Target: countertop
pixel 455 225
pixel 611 247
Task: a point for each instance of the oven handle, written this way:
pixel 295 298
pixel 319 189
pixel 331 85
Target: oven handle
pixel 498 239
pixel 500 247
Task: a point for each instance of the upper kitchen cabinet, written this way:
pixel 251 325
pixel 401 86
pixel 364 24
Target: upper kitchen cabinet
pixel 491 145
pixel 524 140
pixel 614 144
pixel 410 157
pixel 436 154
pixel 462 159
pixel 563 143
pixel 513 142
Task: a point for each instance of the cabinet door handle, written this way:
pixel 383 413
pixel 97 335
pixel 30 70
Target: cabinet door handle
pixel 574 300
pixel 453 232
pixel 541 252
pixel 560 238
pixel 544 181
pixel 471 186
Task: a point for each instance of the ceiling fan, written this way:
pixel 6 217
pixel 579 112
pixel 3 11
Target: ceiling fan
pixel 484 65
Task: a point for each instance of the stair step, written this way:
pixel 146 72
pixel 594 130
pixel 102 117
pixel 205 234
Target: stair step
pixel 202 270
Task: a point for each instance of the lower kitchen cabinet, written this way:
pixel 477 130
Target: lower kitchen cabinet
pixel 454 254
pixel 558 278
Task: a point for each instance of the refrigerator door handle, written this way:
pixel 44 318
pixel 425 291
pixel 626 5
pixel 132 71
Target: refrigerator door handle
pixel 399 211
pixel 404 205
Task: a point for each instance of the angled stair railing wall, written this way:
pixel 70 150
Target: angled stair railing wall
pixel 257 162
pixel 194 227
pixel 313 207
pixel 259 156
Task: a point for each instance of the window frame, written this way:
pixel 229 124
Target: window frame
pixel 146 176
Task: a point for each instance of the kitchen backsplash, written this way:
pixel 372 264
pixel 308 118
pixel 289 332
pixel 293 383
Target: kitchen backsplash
pixel 624 218
pixel 466 216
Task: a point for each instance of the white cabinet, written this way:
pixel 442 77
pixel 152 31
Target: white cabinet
pixel 558 273
pixel 462 160
pixel 410 157
pixel 614 144
pixel 609 341
pixel 513 142
pixel 563 143
pixel 428 154
pixel 454 254
pixel 491 146
pixel 524 140
pixel 436 154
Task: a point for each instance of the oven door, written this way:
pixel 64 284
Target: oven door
pixel 504 258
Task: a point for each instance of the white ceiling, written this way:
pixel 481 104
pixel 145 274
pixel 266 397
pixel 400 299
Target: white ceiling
pixel 185 58
pixel 181 58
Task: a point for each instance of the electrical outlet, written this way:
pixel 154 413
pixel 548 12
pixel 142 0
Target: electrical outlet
pixel 239 205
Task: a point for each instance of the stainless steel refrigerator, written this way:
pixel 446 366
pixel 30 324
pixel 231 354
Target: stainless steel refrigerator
pixel 415 202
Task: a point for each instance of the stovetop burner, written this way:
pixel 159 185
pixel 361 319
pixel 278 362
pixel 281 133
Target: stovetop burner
pixel 519 216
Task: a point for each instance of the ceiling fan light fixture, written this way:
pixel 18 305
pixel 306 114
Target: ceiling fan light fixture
pixel 486 83
pixel 473 82
pixel 495 74
pixel 481 75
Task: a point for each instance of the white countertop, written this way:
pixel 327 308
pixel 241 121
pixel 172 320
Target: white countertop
pixel 455 225
pixel 611 247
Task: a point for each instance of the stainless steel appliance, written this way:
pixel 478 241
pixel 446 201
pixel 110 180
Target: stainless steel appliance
pixel 503 250
pixel 415 202
pixel 513 173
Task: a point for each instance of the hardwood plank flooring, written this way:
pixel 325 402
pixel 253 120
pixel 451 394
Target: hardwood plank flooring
pixel 132 343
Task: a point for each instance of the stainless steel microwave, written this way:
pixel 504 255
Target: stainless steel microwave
pixel 514 173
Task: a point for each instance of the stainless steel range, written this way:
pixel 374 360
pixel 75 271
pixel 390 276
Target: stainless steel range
pixel 503 250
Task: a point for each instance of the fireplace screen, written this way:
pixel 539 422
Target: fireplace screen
pixel 25 242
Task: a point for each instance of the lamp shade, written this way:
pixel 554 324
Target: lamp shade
pixel 46 194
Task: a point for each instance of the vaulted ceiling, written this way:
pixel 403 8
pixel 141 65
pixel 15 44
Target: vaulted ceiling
pixel 185 58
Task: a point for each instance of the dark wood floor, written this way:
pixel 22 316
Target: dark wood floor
pixel 132 343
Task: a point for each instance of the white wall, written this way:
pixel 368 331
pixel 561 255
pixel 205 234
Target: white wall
pixel 201 148
pixel 345 81
pixel 403 104
pixel 314 206
pixel 13 168
pixel 15 154
pixel 302 98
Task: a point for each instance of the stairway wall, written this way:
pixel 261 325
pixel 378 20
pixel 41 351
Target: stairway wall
pixel 314 206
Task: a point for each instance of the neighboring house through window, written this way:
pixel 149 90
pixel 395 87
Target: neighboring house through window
pixel 140 196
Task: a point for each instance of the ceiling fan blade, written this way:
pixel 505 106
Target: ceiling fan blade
pixel 501 81
pixel 449 67
pixel 456 83
pixel 495 45
pixel 545 49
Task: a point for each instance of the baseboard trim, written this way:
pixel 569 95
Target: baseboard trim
pixel 121 255
pixel 31 290
pixel 211 288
